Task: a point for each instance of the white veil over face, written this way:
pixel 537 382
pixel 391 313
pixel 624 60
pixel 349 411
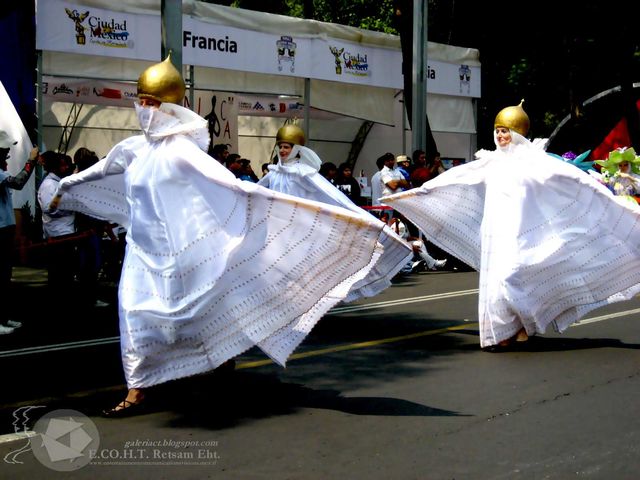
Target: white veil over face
pixel 517 140
pixel 304 155
pixel 292 157
pixel 171 119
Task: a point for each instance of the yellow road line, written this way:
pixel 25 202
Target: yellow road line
pixel 354 346
pixel 262 363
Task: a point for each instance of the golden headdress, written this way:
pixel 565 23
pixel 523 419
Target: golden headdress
pixel 513 118
pixel 162 82
pixel 290 134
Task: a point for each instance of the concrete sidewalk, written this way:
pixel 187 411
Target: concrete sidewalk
pixel 34 277
pixel 52 332
pixel 28 276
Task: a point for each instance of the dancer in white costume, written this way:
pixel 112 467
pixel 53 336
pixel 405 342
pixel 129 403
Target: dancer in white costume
pixel 551 243
pixel 214 265
pixel 297 174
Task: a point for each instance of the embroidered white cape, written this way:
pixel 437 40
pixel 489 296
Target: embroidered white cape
pixel 300 177
pixel 214 265
pixel 549 241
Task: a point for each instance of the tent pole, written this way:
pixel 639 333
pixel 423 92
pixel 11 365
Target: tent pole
pixel 171 11
pixel 404 126
pixel 418 76
pixel 307 107
pixel 39 105
pixel 192 90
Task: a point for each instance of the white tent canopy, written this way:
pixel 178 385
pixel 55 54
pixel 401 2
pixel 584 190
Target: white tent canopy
pixel 367 90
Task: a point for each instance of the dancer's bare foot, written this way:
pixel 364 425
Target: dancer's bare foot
pixel 131 405
pixel 522 335
pixel 505 345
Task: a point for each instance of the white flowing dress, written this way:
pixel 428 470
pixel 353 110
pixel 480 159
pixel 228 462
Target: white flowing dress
pixel 214 265
pixel 300 177
pixel 551 243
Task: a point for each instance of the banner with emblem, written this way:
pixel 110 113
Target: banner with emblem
pixel 348 62
pixel 69 27
pixel 74 28
pixel 94 92
pixel 261 106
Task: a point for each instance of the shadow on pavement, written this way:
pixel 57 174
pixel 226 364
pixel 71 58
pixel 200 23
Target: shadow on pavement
pixel 546 344
pixel 217 403
pixel 541 343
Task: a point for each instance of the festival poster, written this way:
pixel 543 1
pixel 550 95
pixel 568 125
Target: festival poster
pixel 220 109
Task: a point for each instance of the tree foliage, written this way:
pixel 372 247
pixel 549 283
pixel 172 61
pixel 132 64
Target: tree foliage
pixel 356 13
pixel 553 54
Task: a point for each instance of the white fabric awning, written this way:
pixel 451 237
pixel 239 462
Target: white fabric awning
pixel 449 107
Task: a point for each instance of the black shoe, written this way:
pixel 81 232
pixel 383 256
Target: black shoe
pixel 127 409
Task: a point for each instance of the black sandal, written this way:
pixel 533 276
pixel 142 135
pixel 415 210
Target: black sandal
pixel 497 348
pixel 127 409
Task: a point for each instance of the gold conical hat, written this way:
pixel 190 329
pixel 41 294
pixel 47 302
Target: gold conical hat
pixel 290 134
pixel 514 118
pixel 162 82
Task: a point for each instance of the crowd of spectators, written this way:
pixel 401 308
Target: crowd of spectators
pixel 81 250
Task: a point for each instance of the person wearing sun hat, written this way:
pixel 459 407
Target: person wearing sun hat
pixel 404 165
pixel 214 265
pixel 621 172
pixel 539 231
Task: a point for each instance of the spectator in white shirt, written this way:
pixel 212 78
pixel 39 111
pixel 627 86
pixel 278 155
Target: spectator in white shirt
pixel 55 223
pixel 58 226
pixel 376 182
pixel 392 179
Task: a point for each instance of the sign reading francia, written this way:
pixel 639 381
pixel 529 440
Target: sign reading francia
pixel 62 26
pixel 209 43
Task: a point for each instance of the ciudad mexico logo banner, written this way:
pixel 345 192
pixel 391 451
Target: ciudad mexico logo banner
pixel 74 28
pixel 109 33
pixel 70 27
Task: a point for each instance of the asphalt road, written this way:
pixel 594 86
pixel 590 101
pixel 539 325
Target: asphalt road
pixel 392 387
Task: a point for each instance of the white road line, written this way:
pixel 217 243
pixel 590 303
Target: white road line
pixel 351 308
pixel 336 310
pixel 12 437
pixel 403 301
pixel 59 346
pixel 606 317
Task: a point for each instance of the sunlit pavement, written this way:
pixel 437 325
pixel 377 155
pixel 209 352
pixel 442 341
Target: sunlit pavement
pixel 393 387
